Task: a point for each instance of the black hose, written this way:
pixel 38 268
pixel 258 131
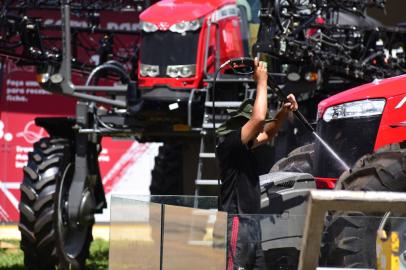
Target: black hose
pixel 276 89
pixel 213 95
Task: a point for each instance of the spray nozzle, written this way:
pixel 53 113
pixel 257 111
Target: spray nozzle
pixel 242 65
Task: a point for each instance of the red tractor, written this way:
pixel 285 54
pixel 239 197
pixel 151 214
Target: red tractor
pixel 322 48
pixel 182 43
pixel 366 126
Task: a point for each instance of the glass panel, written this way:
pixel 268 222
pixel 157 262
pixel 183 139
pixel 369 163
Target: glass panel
pixel 172 232
pixel 348 242
pixel 134 234
pixel 200 202
pixel 167 232
pixel 273 241
pixel 364 242
pixel 189 238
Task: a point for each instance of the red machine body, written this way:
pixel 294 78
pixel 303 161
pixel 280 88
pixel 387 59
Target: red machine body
pixel 392 128
pixel 353 137
pixel 200 34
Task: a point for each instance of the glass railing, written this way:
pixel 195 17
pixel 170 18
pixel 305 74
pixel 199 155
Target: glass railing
pixel 180 232
pixel 170 232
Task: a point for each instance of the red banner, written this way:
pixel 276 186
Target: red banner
pixel 22 100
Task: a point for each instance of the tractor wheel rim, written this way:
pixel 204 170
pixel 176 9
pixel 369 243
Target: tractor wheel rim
pixel 72 239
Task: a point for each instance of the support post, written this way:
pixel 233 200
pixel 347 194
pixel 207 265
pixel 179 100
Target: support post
pixel 321 201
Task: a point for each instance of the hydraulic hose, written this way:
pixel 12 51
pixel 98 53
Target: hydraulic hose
pixel 111 66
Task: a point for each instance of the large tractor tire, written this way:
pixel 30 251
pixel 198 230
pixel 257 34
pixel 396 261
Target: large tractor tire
pixel 350 237
pixel 46 238
pixel 299 160
pixel 167 174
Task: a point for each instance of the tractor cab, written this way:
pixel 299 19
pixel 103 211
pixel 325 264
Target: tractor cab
pixel 182 43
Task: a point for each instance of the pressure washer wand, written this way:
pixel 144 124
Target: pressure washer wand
pixel 246 66
pixel 275 88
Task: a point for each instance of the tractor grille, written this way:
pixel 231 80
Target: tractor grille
pixel 164 48
pixel 350 138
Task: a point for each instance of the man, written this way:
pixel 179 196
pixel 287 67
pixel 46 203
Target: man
pixel 248 128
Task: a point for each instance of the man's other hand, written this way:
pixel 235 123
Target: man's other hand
pixel 291 105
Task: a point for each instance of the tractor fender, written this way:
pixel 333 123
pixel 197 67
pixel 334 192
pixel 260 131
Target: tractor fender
pixel 57 126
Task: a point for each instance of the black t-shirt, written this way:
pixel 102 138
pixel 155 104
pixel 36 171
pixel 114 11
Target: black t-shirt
pixel 240 192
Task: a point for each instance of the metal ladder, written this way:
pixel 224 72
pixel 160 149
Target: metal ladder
pixel 206 154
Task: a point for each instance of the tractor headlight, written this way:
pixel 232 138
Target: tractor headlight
pixel 361 108
pixel 149 70
pixel 183 71
pixel 182 27
pixel 148 27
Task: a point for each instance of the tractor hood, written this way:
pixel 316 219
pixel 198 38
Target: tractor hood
pixel 378 89
pixel 166 13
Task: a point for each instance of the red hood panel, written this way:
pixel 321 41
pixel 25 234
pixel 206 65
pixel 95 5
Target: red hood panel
pixel 380 89
pixel 169 12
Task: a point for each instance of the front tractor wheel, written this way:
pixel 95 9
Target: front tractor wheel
pixel 351 237
pixel 47 239
pixel 299 160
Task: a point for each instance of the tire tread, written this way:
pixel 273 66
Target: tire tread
pixel 39 238
pixel 349 237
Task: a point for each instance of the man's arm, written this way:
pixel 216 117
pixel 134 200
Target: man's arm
pixel 255 125
pixel 270 129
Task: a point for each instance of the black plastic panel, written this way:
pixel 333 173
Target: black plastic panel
pixel 351 138
pixel 166 48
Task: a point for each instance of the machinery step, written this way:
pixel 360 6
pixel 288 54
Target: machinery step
pixel 210 125
pixel 230 78
pixel 206 182
pixel 223 104
pixel 207 155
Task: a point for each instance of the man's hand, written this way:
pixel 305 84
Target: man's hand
pixel 291 105
pixel 270 129
pixel 261 71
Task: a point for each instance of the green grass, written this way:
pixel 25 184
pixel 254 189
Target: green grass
pixel 99 255
pixel 12 259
